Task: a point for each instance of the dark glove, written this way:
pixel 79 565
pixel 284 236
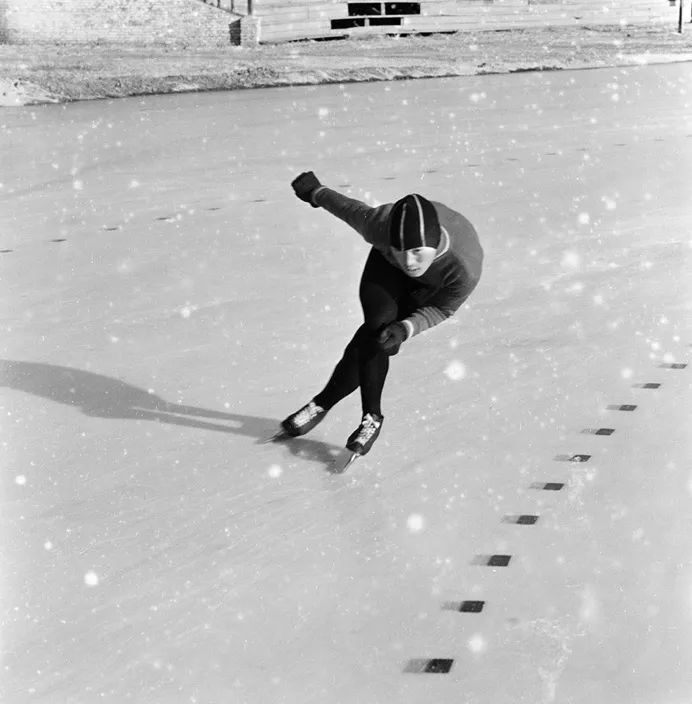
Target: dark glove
pixel 305 185
pixel 390 338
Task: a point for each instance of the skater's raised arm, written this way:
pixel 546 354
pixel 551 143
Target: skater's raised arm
pixel 371 223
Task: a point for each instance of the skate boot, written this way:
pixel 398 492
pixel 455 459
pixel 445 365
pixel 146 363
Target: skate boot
pixel 363 438
pixel 303 420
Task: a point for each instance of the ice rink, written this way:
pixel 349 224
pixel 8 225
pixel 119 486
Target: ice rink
pixel 521 531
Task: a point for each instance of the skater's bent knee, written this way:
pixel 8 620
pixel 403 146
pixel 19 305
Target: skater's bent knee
pixel 376 324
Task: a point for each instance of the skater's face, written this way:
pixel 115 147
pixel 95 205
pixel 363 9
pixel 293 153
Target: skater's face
pixel 414 262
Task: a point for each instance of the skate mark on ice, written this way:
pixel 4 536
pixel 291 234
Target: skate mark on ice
pixel 572 458
pixel 598 431
pixel 167 218
pixel 521 520
pixel 648 385
pixel 259 200
pixel 99 396
pixel 623 407
pixel 389 178
pixel 432 665
pixel 105 228
pixel 59 239
pixel 492 560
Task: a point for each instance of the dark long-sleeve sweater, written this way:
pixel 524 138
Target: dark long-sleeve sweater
pixel 451 277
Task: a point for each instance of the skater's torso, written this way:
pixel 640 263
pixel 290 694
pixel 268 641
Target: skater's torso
pixel 451 277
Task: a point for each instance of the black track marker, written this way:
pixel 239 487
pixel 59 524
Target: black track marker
pixel 598 431
pixel 548 486
pixel 471 607
pixel 522 520
pixel 59 240
pixel 648 385
pixel 623 407
pixel 672 366
pixel 5 251
pixel 434 665
pixel 572 458
pixel 441 665
pixel 498 560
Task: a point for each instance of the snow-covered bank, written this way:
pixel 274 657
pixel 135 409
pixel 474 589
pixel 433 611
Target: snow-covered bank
pixel 34 74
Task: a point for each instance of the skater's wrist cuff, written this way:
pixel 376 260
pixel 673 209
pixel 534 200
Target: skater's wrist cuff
pixel 409 328
pixel 313 195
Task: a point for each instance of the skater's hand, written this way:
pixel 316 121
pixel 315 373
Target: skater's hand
pixel 305 185
pixel 390 338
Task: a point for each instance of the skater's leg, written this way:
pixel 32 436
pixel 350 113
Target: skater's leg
pixel 345 377
pixel 363 363
pixel 380 290
pixel 373 373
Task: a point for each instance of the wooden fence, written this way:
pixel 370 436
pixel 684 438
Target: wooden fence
pixel 285 20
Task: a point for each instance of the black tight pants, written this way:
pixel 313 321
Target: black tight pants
pixel 384 297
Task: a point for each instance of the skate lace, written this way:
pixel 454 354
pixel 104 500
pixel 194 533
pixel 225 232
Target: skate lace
pixel 306 414
pixel 368 427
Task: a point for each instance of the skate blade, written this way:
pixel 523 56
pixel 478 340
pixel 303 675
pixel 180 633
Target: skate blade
pixel 278 436
pixel 343 462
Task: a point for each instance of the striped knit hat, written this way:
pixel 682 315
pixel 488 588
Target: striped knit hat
pixel 413 223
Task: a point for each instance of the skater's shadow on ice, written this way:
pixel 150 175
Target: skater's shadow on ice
pixel 104 397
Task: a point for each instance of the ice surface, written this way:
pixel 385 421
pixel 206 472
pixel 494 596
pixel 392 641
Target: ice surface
pixel 162 316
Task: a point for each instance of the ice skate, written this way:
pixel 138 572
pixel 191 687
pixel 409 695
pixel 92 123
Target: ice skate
pixel 302 421
pixel 363 438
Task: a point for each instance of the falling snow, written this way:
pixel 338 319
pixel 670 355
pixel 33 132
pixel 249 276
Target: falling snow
pixel 455 370
pixel 415 523
pixel 91 579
